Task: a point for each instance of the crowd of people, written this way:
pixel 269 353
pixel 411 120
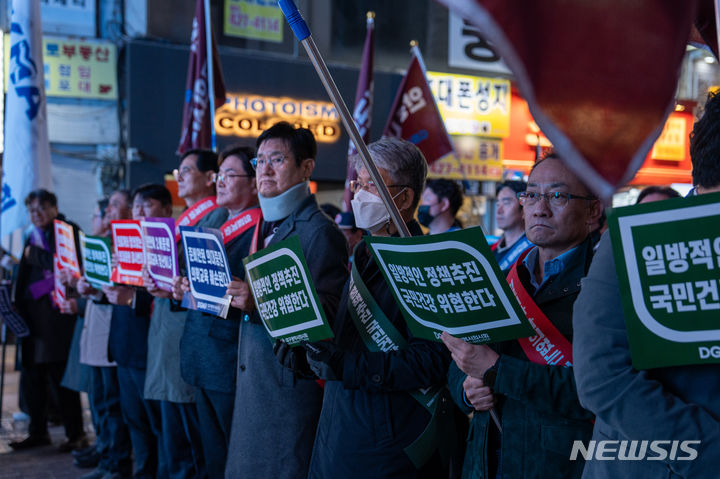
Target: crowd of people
pixel 185 394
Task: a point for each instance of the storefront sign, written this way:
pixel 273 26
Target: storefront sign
pixel 128 244
pixel 284 294
pixel 160 251
pixel 472 105
pixel 475 158
pixel 468 49
pixel 77 68
pixel 672 143
pixel 96 260
pixel 207 270
pixel 249 115
pixel 254 19
pixel 65 247
pixel 450 282
pixel 68 17
pixel 667 255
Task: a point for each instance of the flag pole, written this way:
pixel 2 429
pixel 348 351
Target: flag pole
pixel 210 64
pixel 302 33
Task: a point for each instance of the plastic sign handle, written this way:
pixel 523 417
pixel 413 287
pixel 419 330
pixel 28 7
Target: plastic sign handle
pixel 293 17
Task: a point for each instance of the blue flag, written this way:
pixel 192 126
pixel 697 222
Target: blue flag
pixel 26 163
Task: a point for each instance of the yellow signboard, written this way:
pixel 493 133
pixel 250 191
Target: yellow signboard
pixel 249 115
pixel 671 143
pixel 254 19
pixel 472 105
pixel 475 158
pixel 76 68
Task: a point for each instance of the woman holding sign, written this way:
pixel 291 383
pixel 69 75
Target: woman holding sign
pixel 380 389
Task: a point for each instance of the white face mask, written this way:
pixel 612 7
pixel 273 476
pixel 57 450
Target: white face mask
pixel 370 211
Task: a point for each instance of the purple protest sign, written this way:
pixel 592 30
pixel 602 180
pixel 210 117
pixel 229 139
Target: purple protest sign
pixel 160 250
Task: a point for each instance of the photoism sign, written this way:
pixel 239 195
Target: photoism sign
pixel 207 270
pixel 96 260
pixel 667 256
pixel 450 282
pixel 284 294
pixel 160 250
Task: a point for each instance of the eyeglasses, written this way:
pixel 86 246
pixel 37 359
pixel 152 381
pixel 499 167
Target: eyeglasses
pixel 179 174
pixel 274 161
pixel 356 186
pixel 224 177
pixel 555 199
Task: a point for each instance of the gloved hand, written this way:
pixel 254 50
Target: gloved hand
pixel 325 359
pixel 293 359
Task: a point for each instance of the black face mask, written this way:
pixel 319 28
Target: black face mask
pixel 424 216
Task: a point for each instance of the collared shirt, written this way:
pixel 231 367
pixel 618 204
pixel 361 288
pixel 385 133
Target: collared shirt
pixel 553 267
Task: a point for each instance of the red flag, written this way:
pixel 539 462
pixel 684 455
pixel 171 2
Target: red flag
pixel 363 103
pixel 414 115
pixel 599 77
pixel 196 127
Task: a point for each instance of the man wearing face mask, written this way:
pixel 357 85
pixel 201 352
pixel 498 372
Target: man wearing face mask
pixel 440 202
pixel 276 412
pixel 371 416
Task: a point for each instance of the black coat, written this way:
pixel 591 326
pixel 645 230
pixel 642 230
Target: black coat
pixel 369 417
pixel 50 331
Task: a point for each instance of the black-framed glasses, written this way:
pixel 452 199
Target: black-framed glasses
pixel 556 199
pixel 274 161
pixel 224 177
pixel 356 186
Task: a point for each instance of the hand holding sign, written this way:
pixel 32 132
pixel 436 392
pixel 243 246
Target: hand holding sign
pixel 479 395
pixel 242 297
pixel 119 295
pixel 472 359
pixel 181 285
pixel 84 288
pixel 152 287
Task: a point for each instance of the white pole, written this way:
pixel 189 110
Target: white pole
pixel 209 64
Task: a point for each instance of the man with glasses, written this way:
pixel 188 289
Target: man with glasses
pixel 209 345
pixel 529 382
pixel 276 412
pixel 509 218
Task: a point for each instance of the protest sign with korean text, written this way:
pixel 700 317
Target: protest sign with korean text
pixel 59 293
pixel 667 256
pixel 65 247
pixel 450 282
pixel 160 250
pixel 284 294
pixel 207 270
pixel 14 321
pixel 128 245
pixel 96 260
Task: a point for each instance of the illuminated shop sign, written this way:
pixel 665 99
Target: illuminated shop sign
pixel 249 115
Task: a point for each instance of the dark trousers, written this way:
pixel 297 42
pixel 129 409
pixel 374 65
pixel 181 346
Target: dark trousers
pixel 215 410
pixel 113 437
pixel 36 379
pixel 143 420
pixel 181 441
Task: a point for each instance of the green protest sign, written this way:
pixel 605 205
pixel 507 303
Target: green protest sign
pixel 96 260
pixel 667 256
pixel 450 282
pixel 284 294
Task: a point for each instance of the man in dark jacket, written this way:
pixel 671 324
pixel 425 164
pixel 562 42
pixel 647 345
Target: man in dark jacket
pixel 372 413
pixel 529 382
pixel 276 413
pixel 44 353
pixel 668 404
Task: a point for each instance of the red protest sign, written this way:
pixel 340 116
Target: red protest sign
pixel 58 294
pixel 128 245
pixel 65 248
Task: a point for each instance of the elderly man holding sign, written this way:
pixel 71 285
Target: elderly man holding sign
pixel 276 412
pixel 530 381
pixel 379 387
